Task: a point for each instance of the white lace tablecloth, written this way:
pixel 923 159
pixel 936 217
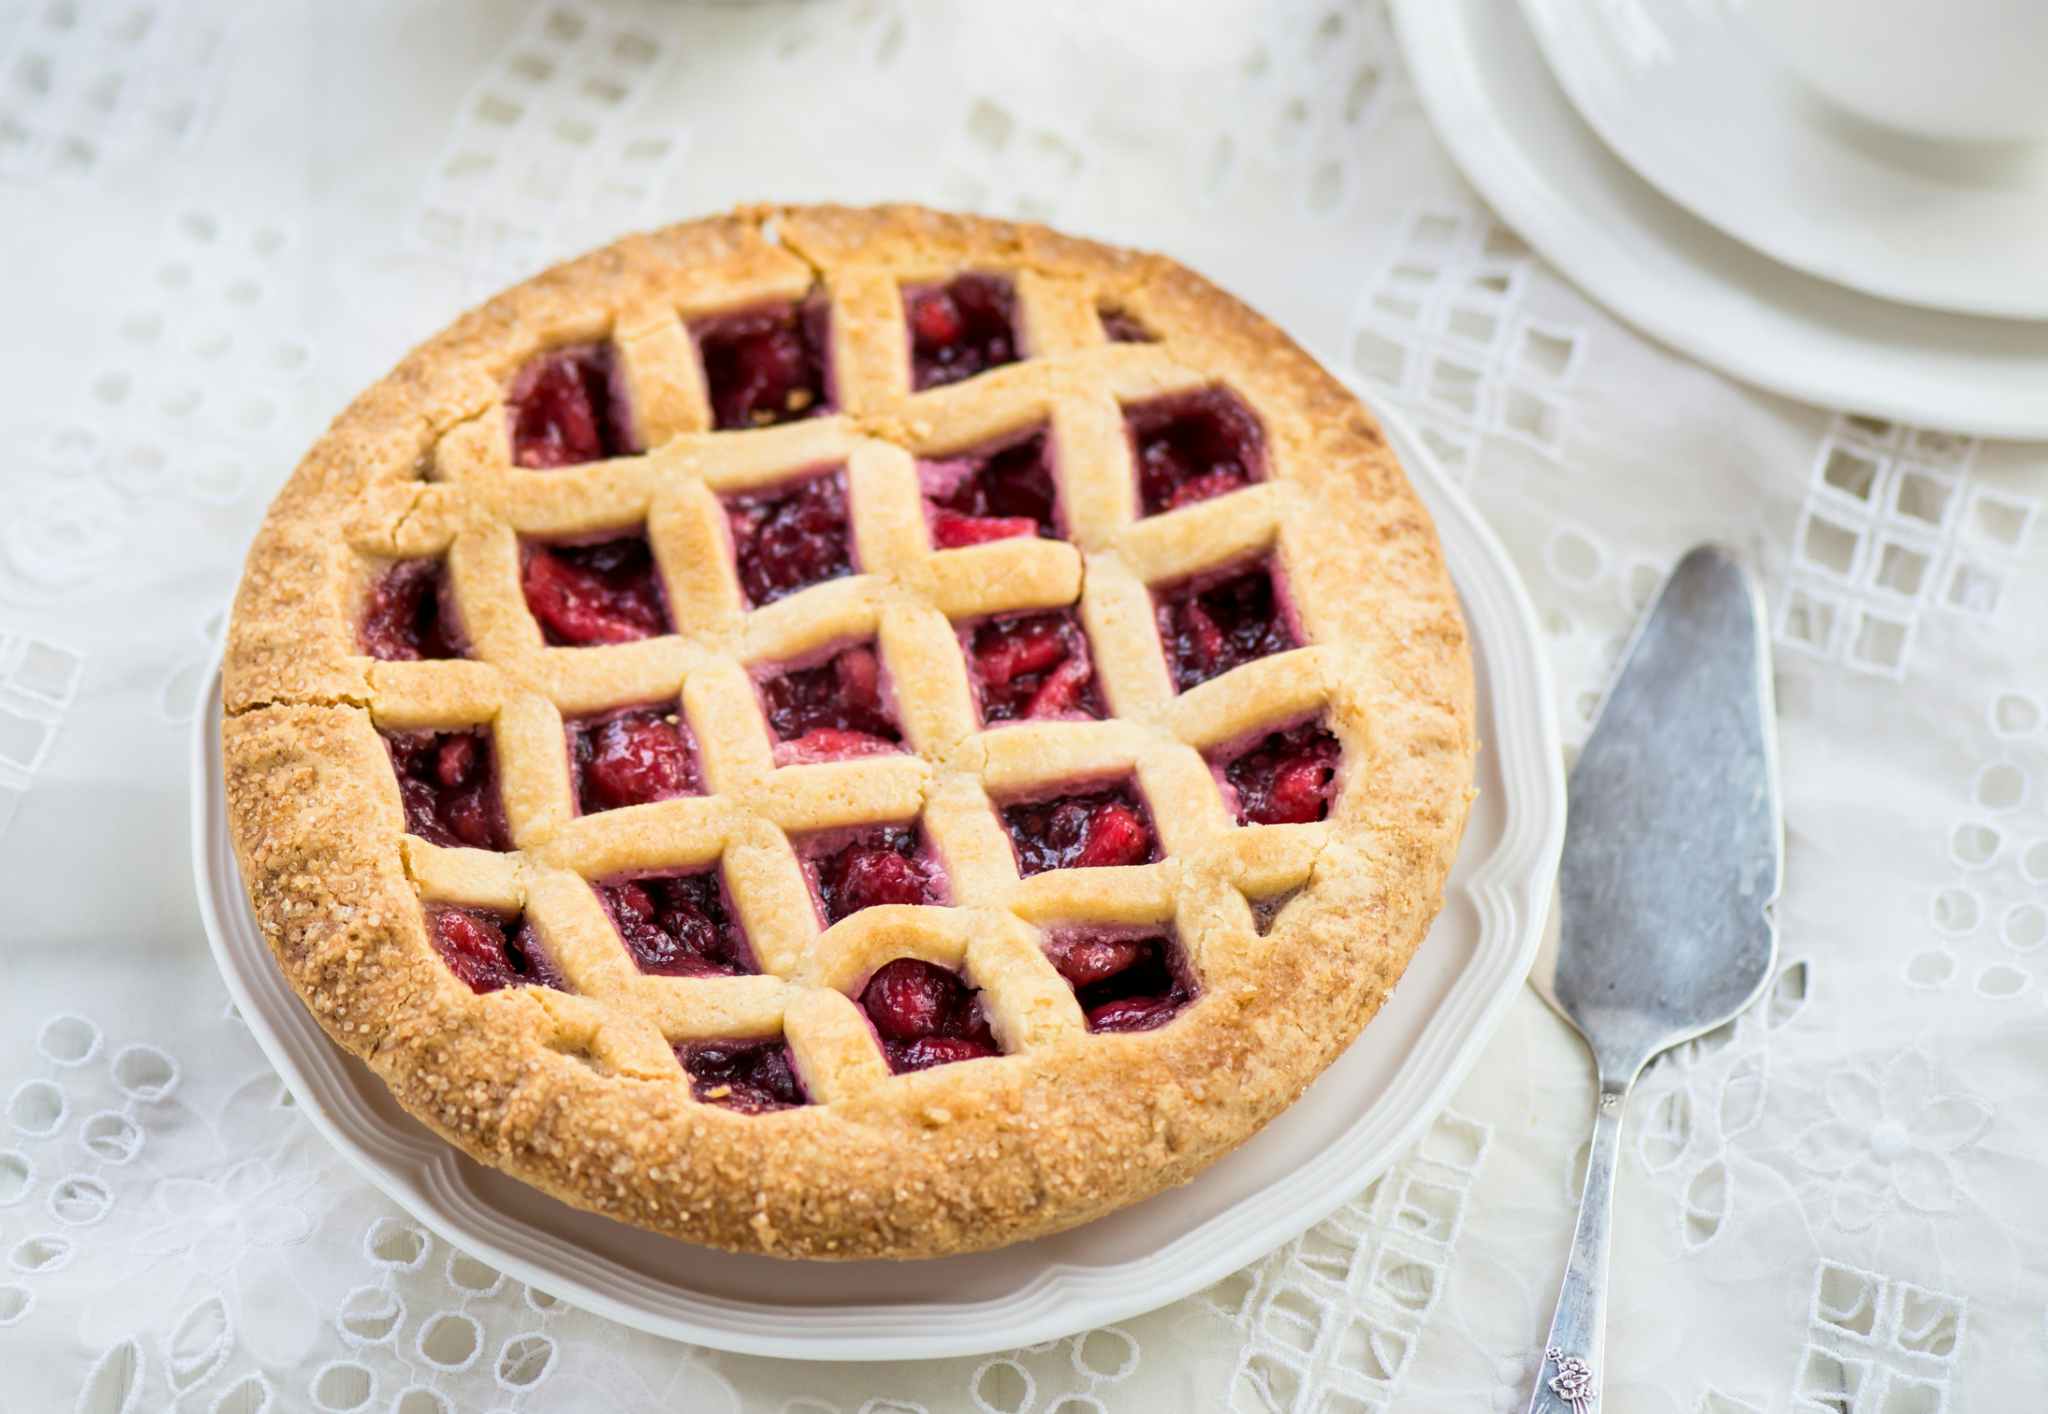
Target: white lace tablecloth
pixel 221 219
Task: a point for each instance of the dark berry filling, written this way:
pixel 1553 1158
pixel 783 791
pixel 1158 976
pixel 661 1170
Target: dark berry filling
pixel 569 406
pixel 1286 778
pixel 791 537
pixel 887 864
pixel 448 783
pixel 631 758
pixel 1123 327
pixel 1123 983
pixel 488 951
pixel 752 1077
pixel 1033 665
pixel 1193 446
pixel 764 366
pixel 1098 829
pixel 587 594
pixel 1265 910
pixel 833 710
pixel 991 495
pixel 925 1015
pixel 409 616
pixel 1210 628
pixel 679 925
pixel 960 329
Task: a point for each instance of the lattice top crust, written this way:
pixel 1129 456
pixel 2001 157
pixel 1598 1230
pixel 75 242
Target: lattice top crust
pixel 849 733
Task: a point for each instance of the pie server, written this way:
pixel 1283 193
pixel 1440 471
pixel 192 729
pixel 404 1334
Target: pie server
pixel 1663 928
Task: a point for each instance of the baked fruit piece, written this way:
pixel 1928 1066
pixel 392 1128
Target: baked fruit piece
pixel 849 733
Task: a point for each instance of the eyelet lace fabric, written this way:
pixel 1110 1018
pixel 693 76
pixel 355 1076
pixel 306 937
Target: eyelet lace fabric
pixel 1831 1205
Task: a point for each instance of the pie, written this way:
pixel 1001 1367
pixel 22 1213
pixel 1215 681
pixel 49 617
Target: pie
pixel 849 733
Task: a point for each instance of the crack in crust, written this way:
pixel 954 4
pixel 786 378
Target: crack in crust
pixel 580 1093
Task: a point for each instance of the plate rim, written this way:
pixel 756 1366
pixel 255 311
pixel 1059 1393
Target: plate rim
pixel 1510 892
pixel 1719 318
pixel 1562 32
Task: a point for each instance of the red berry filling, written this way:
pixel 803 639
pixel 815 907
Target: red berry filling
pixel 991 494
pixel 679 925
pixel 764 366
pixel 1210 628
pixel 1123 327
pixel 1193 446
pixel 836 709
pixel 569 406
pixel 791 538
pixel 409 616
pixel 1123 983
pixel 588 594
pixel 925 1015
pixel 489 952
pixel 448 784
pixel 960 329
pixel 1096 830
pixel 1286 778
pixel 753 1077
pixel 1033 665
pixel 631 758
pixel 887 864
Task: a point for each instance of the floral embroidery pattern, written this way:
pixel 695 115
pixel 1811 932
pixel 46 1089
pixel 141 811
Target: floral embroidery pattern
pixel 211 1223
pixel 1890 1140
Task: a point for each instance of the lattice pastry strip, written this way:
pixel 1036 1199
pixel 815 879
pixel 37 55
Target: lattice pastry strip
pixel 869 351
pixel 1096 488
pixel 663 382
pixel 723 706
pixel 833 1046
pixel 572 503
pixel 736 462
pixel 1117 612
pixel 1056 315
pixel 408 697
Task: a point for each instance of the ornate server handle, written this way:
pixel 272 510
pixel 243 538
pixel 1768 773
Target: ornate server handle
pixel 1575 1353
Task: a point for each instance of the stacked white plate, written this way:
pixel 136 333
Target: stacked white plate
pixel 1657 155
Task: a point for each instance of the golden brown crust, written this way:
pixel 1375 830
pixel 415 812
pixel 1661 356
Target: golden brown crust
pixel 579 1094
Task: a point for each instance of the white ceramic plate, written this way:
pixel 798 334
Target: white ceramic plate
pixel 1693 102
pixel 1360 1116
pixel 1494 102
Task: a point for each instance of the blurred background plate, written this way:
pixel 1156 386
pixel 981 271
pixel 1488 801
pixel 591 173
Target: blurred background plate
pixel 1512 131
pixel 1696 104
